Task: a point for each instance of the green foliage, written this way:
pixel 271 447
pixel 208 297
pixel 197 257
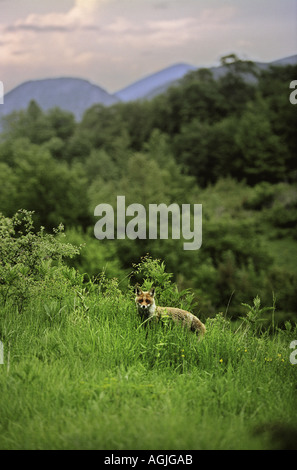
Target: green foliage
pixel 151 273
pixel 95 256
pixel 254 316
pixel 31 263
pixel 263 153
pixel 227 144
pixel 76 368
pixel 55 191
pixel 262 196
pixel 77 362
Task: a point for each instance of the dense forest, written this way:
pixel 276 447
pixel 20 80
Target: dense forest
pixel 228 144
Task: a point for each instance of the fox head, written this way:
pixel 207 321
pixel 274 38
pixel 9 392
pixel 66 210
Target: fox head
pixel 145 302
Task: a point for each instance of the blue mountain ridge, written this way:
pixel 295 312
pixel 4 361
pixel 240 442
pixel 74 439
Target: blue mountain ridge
pixel 77 95
pixel 70 94
pixel 145 86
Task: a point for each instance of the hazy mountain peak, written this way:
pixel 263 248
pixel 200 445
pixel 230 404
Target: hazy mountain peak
pixel 77 95
pixel 147 84
pixel 70 94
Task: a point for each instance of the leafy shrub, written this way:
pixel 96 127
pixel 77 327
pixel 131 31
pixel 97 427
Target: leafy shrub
pixel 32 263
pixel 95 256
pixel 255 316
pixel 262 196
pixel 283 283
pixel 151 273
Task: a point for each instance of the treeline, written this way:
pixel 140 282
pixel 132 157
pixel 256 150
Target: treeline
pixel 229 144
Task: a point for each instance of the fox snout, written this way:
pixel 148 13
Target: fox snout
pixel 143 306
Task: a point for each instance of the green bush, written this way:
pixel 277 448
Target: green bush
pixel 262 196
pixel 150 273
pixel 95 255
pixel 32 264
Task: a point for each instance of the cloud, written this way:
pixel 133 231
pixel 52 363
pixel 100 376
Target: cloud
pixel 161 5
pixel 121 25
pixel 171 25
pixel 38 29
pixel 80 16
pixel 90 5
pixel 50 28
pixel 114 42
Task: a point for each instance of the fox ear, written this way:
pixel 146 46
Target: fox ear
pixel 137 290
pixel 152 292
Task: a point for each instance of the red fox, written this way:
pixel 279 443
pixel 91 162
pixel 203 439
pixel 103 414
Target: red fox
pixel 145 302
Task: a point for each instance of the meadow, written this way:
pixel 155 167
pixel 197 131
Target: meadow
pixel 81 372
pixel 79 369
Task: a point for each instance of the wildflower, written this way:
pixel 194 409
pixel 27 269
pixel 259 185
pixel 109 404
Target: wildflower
pixel 182 355
pixel 245 350
pixel 221 360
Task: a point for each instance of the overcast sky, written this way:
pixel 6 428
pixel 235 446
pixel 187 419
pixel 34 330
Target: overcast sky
pixel 115 42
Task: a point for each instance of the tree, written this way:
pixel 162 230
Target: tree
pixel 62 122
pixel 207 151
pixel 274 88
pixel 263 153
pixel 191 148
pixel 56 191
pixel 102 125
pixel 31 123
pixel 238 84
pixel 8 189
pixel 238 66
pixel 137 120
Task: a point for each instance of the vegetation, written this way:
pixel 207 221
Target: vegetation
pixel 77 361
pixel 226 144
pixel 81 371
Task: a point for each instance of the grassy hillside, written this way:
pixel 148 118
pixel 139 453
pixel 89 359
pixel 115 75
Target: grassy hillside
pixel 81 372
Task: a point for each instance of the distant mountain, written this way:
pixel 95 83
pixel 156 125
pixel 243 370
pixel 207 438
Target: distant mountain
pixel 77 95
pixel 70 94
pixel 145 87
pixel 157 83
pixel 291 60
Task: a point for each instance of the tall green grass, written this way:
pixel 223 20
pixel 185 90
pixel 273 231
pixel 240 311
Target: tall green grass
pixel 85 374
pixel 81 371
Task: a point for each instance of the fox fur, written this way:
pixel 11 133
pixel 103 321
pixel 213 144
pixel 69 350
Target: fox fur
pixel 147 309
